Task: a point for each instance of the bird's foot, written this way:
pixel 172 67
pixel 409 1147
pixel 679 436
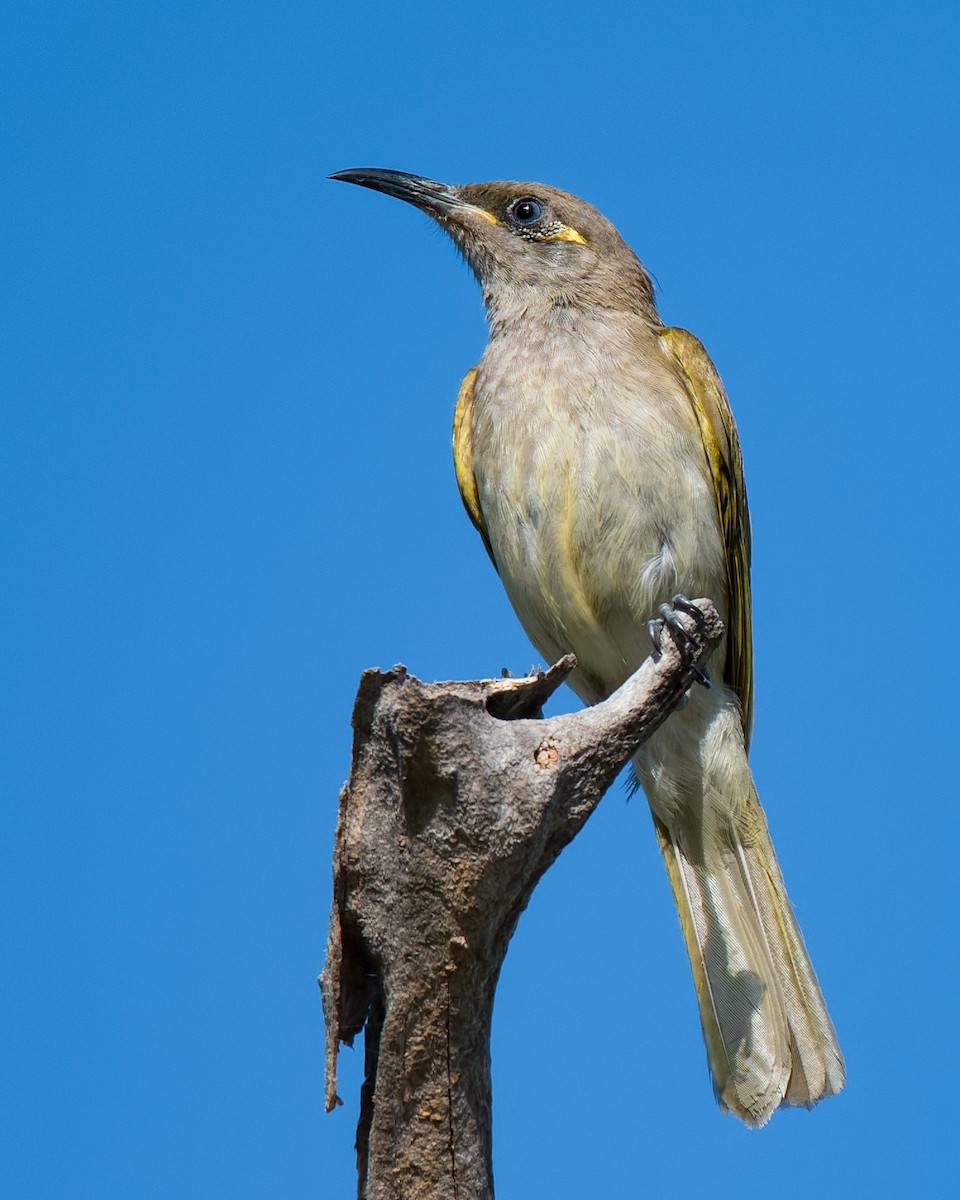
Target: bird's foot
pixel 668 619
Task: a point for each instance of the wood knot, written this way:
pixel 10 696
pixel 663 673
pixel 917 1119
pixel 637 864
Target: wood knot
pixel 547 754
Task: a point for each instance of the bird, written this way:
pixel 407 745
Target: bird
pixel 597 456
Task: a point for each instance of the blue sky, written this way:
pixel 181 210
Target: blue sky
pixel 227 388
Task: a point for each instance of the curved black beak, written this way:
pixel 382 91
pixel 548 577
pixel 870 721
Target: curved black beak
pixel 424 193
pixel 436 199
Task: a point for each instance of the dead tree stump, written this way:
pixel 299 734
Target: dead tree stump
pixel 460 796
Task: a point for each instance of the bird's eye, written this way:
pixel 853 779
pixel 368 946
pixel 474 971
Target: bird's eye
pixel 526 211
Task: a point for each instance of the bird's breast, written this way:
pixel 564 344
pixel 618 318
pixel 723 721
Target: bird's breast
pixel 594 487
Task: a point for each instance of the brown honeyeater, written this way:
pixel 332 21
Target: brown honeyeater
pixel 597 456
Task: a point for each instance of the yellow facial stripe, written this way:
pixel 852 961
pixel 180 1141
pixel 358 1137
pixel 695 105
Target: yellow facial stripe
pixel 482 212
pixel 565 234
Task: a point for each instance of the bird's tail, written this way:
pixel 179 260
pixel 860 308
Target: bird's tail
pixel 769 1038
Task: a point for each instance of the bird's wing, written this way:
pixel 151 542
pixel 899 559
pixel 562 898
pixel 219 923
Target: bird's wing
pixel 463 458
pixel 726 469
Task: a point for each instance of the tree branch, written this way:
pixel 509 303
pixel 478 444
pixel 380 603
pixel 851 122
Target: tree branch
pixel 460 796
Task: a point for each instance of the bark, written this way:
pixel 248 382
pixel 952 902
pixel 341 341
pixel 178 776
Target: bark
pixel 460 796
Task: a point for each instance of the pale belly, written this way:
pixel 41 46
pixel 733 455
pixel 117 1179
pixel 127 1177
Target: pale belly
pixel 597 512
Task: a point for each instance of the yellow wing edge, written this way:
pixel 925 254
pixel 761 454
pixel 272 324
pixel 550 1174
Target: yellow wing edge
pixel 463 457
pixel 722 447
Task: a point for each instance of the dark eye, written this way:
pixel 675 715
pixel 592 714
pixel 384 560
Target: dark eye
pixel 526 211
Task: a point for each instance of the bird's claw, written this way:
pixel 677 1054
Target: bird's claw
pixel 684 604
pixel 668 619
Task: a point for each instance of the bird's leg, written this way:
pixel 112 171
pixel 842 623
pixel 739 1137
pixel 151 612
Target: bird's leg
pixel 668 618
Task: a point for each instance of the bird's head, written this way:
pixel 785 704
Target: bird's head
pixel 530 246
